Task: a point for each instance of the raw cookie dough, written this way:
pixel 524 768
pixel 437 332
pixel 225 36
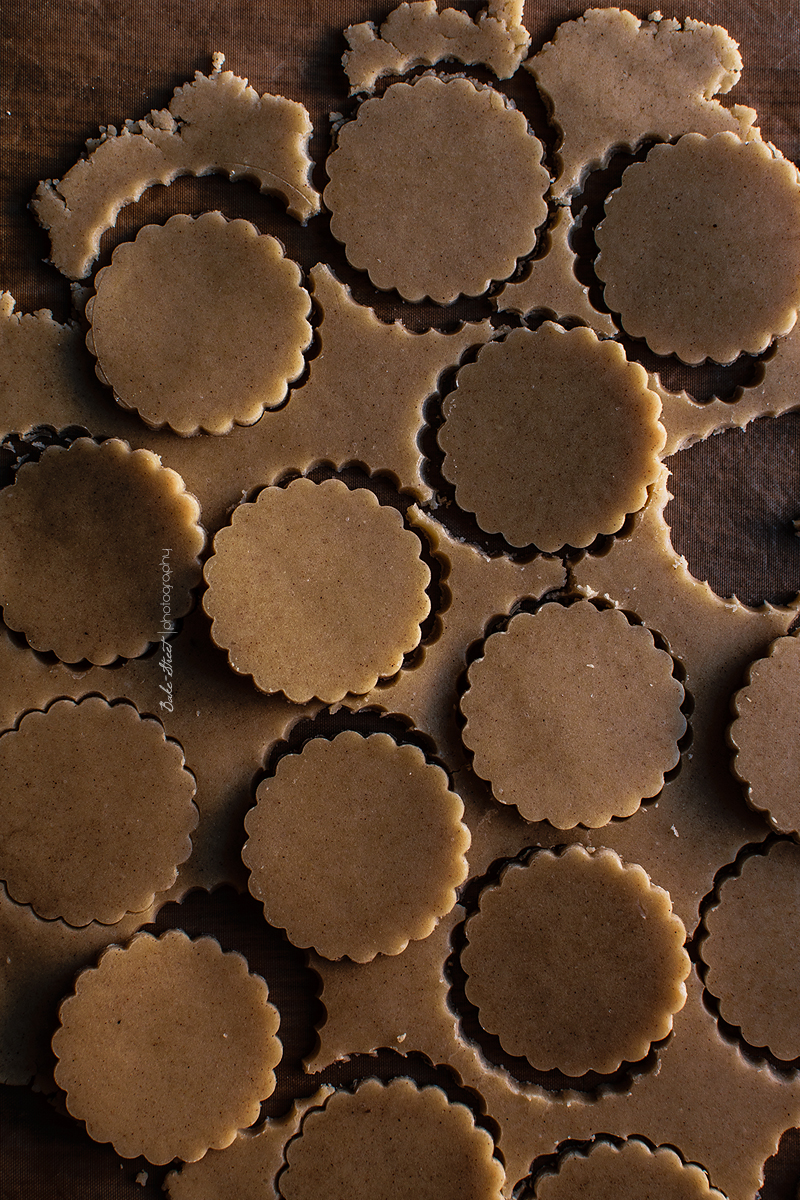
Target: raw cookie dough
pixel 377 846
pixel 700 248
pixel 612 80
pixel 576 961
pixel 316 590
pixel 551 437
pixel 167 1047
pixel 458 196
pixel 417 34
pixel 96 811
pixel 625 1172
pixel 216 123
pixel 573 715
pixel 199 324
pixel 752 949
pixel 765 736
pixel 391 1141
pixel 100 545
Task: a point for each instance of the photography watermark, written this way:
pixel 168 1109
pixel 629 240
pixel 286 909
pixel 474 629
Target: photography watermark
pixel 167 627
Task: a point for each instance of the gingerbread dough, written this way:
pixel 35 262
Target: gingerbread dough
pixel 624 1172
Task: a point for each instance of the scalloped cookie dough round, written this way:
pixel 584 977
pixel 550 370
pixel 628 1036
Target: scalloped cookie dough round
pixel 96 811
pixel 391 1141
pixel 316 590
pixel 576 961
pixel 436 188
pixel 167 1047
pixel 751 950
pixel 377 842
pixel 625 1172
pixel 573 715
pixel 551 437
pixel 199 324
pixel 100 551
pixel 765 735
pixel 700 248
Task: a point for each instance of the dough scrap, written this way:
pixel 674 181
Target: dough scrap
pixel 753 933
pixel 576 961
pixel 457 201
pixel 391 1141
pixel 100 554
pixel 573 715
pixel 765 736
pixel 167 1047
pixel 316 590
pixel 96 811
pixel 551 437
pixel 377 846
pixel 199 324
pixel 216 123
pixel 678 256
pixel 657 79
pixel 416 34
pixel 626 1172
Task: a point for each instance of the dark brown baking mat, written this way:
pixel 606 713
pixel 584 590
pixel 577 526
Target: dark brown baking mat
pixel 69 66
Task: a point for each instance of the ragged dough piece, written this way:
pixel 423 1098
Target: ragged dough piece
pixel 605 1171
pixel 416 34
pixel 216 123
pixel 199 323
pixel 613 80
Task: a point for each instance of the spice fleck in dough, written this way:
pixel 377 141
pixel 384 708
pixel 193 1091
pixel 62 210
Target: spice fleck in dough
pixel 458 197
pixel 700 248
pixel 765 735
pixel 391 1141
pixel 96 811
pixel 625 1172
pixel 551 437
pixel 199 324
pixel 573 715
pixel 576 961
pixel 752 949
pixel 316 590
pixel 167 1047
pixel 377 843
pixel 94 537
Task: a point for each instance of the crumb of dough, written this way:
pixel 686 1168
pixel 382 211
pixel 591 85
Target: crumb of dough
pixel 751 950
pixel 700 248
pixel 100 551
pixel 216 123
pixel 612 80
pixel 573 715
pixel 96 811
pixel 416 34
pixel 625 1172
pixel 391 1141
pixel 167 1047
pixel 199 324
pixel 316 590
pixel 377 843
pixel 457 200
pixel 551 437
pixel 576 961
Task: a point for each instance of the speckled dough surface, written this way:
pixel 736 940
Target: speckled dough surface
pixel 551 437
pixel 96 539
pixel 96 811
pixel 457 200
pixel 752 949
pixel 678 255
pixel 316 590
pixel 377 846
pixel 626 1172
pixel 573 715
pixel 199 324
pixel 167 1047
pixel 576 961
pixel 765 735
pixel 391 1142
